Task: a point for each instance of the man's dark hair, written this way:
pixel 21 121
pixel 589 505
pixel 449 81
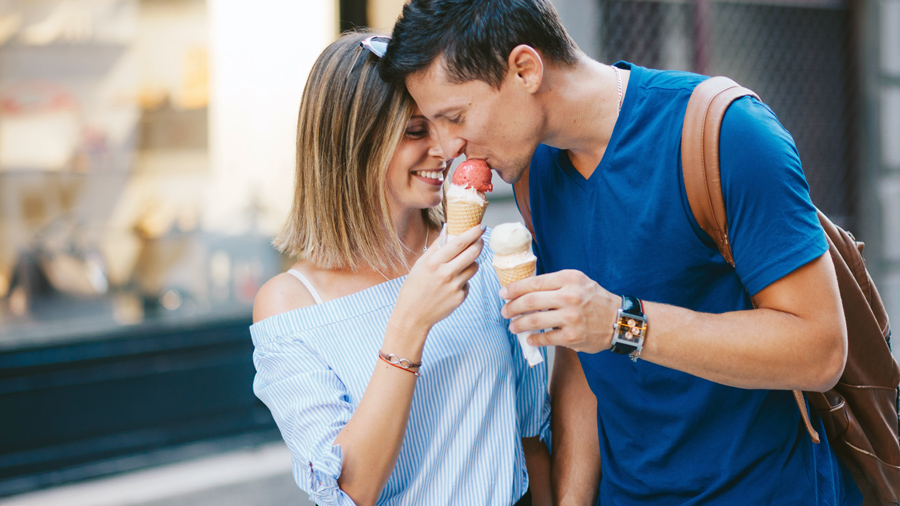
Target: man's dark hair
pixel 474 36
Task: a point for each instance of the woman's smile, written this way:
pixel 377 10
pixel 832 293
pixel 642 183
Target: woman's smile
pixel 432 177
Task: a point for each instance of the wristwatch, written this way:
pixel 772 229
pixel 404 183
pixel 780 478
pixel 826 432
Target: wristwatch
pixel 630 328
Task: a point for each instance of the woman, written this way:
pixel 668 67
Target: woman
pixel 383 358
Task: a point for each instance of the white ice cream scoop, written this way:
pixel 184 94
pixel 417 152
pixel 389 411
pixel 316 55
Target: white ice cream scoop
pixel 510 238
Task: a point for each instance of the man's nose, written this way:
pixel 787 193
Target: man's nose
pixel 452 146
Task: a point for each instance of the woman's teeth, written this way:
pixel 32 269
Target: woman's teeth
pixel 431 174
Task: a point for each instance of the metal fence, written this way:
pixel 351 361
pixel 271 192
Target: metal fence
pixel 799 56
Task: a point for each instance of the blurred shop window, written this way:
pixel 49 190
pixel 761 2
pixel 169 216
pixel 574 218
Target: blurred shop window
pixel 353 14
pixel 382 14
pixel 799 57
pixel 104 159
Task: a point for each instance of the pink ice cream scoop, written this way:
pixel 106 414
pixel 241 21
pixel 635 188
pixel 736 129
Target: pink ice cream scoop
pixel 473 174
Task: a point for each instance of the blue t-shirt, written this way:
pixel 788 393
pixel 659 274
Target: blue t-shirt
pixel 667 437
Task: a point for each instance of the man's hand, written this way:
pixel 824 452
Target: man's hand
pixel 577 312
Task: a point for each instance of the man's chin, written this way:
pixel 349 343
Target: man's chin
pixel 508 179
pixel 510 176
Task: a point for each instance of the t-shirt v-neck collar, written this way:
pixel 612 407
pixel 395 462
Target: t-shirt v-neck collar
pixel 562 158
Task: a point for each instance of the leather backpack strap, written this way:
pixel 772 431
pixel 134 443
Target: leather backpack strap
pixel 520 189
pixel 700 156
pixel 702 177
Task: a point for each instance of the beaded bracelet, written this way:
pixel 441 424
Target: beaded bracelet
pixel 404 364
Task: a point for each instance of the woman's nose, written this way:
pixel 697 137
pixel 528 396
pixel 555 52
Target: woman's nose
pixel 436 150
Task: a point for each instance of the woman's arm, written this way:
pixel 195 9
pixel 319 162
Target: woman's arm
pixel 371 440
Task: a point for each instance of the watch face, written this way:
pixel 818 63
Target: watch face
pixel 631 329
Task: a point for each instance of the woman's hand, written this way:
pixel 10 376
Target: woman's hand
pixel 437 283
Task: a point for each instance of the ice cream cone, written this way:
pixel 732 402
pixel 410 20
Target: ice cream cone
pixel 462 216
pixel 514 261
pixel 521 271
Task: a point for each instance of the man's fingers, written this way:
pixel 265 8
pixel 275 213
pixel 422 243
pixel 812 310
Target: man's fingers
pixel 553 337
pixel 515 290
pixel 540 320
pixel 534 301
pixel 556 337
pixel 544 282
pixel 541 338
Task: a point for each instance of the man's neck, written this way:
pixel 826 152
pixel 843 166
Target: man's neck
pixel 583 104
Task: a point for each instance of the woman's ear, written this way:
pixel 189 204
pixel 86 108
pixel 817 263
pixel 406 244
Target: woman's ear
pixel 526 67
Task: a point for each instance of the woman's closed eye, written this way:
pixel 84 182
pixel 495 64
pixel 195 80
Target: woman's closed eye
pixel 417 133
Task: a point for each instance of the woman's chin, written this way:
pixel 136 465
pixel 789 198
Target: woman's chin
pixel 431 201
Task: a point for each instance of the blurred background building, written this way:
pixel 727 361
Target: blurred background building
pixel 146 150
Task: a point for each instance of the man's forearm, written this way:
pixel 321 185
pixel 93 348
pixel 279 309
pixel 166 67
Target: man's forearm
pixel 537 459
pixel 575 472
pixel 795 340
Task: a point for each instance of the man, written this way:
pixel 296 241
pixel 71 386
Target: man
pixel 706 415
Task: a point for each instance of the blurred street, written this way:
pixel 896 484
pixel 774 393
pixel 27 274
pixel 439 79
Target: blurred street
pixel 147 150
pixel 259 476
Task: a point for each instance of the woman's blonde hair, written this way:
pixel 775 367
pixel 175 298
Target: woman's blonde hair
pixel 350 123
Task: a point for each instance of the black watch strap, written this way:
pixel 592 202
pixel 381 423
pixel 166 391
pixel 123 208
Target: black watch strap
pixel 632 305
pixel 629 328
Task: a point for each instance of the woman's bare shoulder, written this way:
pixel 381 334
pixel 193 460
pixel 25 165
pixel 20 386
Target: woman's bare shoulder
pixel 281 294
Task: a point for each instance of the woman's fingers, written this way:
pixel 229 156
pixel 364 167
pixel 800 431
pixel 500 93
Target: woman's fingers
pixel 459 253
pixel 458 244
pixel 466 256
pixel 469 272
pixel 438 282
pixel 442 237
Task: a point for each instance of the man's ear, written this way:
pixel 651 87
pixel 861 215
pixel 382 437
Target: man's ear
pixel 526 66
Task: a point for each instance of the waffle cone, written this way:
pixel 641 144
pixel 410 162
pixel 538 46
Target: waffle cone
pixel 462 216
pixel 521 271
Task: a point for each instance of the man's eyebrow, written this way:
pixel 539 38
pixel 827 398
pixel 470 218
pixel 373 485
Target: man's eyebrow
pixel 445 112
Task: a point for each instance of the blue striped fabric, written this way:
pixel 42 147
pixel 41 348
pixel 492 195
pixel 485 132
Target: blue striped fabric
pixel 474 401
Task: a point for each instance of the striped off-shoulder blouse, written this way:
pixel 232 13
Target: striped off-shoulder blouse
pixel 474 402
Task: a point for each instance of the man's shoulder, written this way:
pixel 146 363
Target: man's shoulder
pixel 669 80
pixel 543 156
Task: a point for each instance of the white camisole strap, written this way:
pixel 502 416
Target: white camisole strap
pixel 309 286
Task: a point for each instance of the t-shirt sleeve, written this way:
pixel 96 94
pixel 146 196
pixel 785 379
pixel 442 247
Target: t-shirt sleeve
pixel 772 222
pixel 310 405
pixel 532 397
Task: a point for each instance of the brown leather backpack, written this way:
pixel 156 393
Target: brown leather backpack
pixel 860 414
